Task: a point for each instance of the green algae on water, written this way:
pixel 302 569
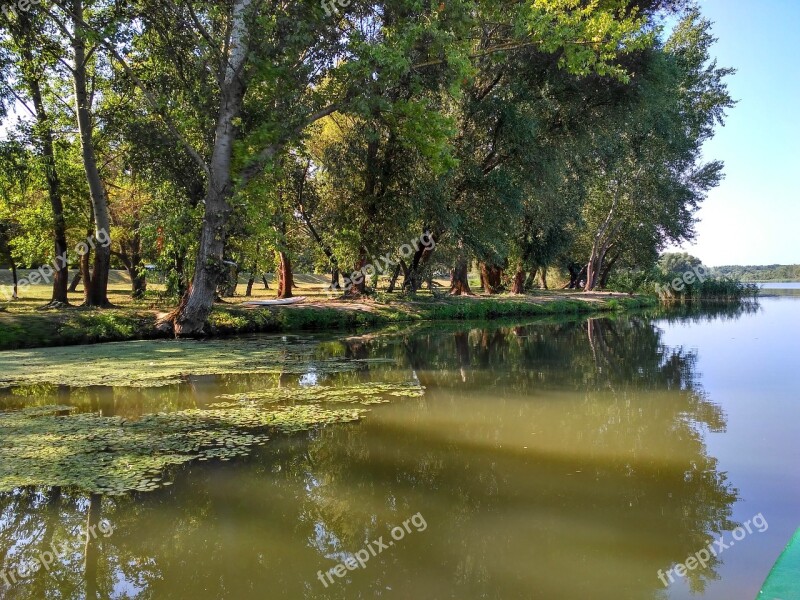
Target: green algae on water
pixel 167 362
pixel 365 393
pixel 48 446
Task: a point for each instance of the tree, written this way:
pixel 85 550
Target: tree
pixel 24 40
pixel 649 176
pixel 678 263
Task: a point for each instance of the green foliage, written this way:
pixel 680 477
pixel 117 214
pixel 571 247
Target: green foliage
pixel 678 263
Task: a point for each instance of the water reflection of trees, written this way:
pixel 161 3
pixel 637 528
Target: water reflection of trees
pixel 706 312
pixel 615 484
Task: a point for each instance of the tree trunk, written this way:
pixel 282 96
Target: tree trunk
pixel 14 278
pixel 250 283
pixel 139 273
pixel 599 247
pixel 91 552
pixel 394 278
pixel 518 286
pixel 531 281
pixel 131 258
pixel 98 288
pixel 591 270
pixel 86 275
pixel 285 276
pixel 543 278
pixel 326 249
pixel 574 275
pixel 414 275
pixel 607 272
pixel 492 277
pixel 75 281
pixel 139 283
pixel 359 287
pixel 459 281
pixel 582 276
pixel 180 272
pixel 44 132
pixel 229 281
pixel 191 316
pixel 265 281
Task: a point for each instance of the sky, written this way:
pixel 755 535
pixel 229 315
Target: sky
pixel 753 217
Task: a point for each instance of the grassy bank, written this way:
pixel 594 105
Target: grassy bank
pixel 22 326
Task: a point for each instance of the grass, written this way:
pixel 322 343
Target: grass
pixel 23 325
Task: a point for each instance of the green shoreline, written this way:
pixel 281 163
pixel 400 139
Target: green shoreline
pixel 77 326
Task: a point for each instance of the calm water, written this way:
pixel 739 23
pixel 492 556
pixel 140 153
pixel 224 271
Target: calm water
pixel 555 461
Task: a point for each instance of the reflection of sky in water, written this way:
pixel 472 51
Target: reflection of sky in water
pixel 309 379
pixel 750 367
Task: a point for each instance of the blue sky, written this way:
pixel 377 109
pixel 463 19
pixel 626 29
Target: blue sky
pixel 753 217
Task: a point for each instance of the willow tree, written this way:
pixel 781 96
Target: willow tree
pixel 650 177
pixel 502 133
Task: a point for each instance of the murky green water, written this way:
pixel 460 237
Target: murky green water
pixel 556 461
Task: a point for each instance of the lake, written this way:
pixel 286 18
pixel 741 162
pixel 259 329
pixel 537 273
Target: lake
pixel 570 459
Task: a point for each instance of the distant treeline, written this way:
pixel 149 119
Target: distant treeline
pixel 759 273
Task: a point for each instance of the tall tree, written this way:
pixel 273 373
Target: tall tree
pixel 26 40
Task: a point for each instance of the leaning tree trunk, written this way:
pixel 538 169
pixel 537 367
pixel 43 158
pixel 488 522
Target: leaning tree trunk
pixel 531 281
pixel 492 277
pixel 393 279
pixel 251 281
pixel 416 271
pixel 591 270
pixel 191 316
pixel 285 276
pixel 45 135
pixel 607 271
pixel 75 281
pixel 201 295
pixel 98 288
pixel 543 278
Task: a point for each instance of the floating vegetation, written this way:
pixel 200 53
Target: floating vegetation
pixel 366 393
pixel 48 446
pixel 167 362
